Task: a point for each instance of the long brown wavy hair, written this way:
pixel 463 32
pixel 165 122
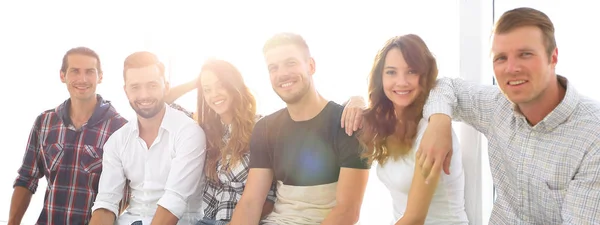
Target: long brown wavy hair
pixel 384 134
pixel 243 109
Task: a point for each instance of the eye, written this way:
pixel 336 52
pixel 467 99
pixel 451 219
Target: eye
pixel 526 54
pixel 499 58
pixel 390 72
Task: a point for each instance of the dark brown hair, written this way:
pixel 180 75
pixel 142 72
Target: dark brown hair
pixel 381 122
pixel 80 51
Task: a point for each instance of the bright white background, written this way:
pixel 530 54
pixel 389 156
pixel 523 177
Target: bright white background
pixel 343 39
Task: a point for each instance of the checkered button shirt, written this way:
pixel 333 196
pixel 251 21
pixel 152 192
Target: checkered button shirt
pixel 544 174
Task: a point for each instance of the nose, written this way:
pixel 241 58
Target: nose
pixel 401 80
pixel 512 66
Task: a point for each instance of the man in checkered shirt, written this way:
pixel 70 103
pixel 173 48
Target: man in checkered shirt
pixel 65 146
pixel 544 137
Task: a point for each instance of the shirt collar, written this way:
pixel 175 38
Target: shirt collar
pixel 167 123
pixel 562 111
pixel 102 111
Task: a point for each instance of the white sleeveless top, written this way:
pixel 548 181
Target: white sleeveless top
pixel 448 203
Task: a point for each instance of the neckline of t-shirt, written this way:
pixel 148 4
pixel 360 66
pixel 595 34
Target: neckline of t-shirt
pixel 329 103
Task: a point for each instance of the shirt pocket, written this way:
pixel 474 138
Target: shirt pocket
pixel 90 159
pixel 53 155
pixel 547 203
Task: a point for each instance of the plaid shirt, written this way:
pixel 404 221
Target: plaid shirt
pixel 70 159
pixel 220 198
pixel 543 174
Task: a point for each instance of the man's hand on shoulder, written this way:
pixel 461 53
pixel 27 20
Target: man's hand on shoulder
pixel 435 149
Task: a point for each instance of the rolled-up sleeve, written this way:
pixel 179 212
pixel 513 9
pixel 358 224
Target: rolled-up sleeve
pixel 112 179
pixel 185 176
pixel 32 168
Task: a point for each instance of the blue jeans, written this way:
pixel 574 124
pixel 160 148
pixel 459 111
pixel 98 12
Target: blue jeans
pixel 206 221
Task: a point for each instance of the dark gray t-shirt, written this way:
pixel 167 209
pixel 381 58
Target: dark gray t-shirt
pixel 305 153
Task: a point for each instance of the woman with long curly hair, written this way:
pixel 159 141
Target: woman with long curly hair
pixel 227 113
pixel 403 73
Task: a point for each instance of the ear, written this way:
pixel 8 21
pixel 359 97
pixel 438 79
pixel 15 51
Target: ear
pixel 312 66
pixel 554 57
pixel 100 76
pixel 63 77
pixel 167 87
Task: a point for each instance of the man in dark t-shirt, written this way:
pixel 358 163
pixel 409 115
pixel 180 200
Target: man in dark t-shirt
pixel 320 175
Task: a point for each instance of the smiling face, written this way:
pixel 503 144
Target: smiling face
pixel 81 76
pixel 215 94
pixel 290 70
pixel 146 89
pixel 400 82
pixel 522 66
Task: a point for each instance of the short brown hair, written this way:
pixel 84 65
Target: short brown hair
pixel 286 38
pixel 521 17
pixel 143 59
pixel 80 51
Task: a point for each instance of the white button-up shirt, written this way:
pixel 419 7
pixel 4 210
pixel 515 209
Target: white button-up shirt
pixel 167 173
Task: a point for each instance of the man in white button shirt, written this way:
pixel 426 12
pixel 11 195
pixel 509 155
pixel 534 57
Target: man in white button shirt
pixel 161 154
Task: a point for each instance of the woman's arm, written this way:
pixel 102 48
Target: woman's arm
pixel 180 90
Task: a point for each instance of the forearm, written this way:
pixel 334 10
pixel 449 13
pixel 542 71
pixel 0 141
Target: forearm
pixel 342 216
pixel 102 217
pixel 164 217
pixel 267 209
pixel 178 91
pixel 19 204
pixel 245 213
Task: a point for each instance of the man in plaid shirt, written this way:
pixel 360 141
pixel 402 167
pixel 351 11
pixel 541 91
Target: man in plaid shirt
pixel 65 146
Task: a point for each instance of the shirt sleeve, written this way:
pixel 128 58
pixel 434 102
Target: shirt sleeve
pixel 464 101
pixel 260 150
pixel 349 151
pixel 112 179
pixel 32 168
pixel 582 199
pixel 185 176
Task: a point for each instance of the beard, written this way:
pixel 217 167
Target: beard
pixel 148 113
pixel 295 97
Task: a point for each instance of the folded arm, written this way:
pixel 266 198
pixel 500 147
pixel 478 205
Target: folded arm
pixel 453 98
pixel 184 177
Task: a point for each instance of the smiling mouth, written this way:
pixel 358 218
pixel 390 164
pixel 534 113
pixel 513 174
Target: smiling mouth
pixel 145 103
pixel 218 102
pixel 287 84
pixel 516 82
pixel 402 92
